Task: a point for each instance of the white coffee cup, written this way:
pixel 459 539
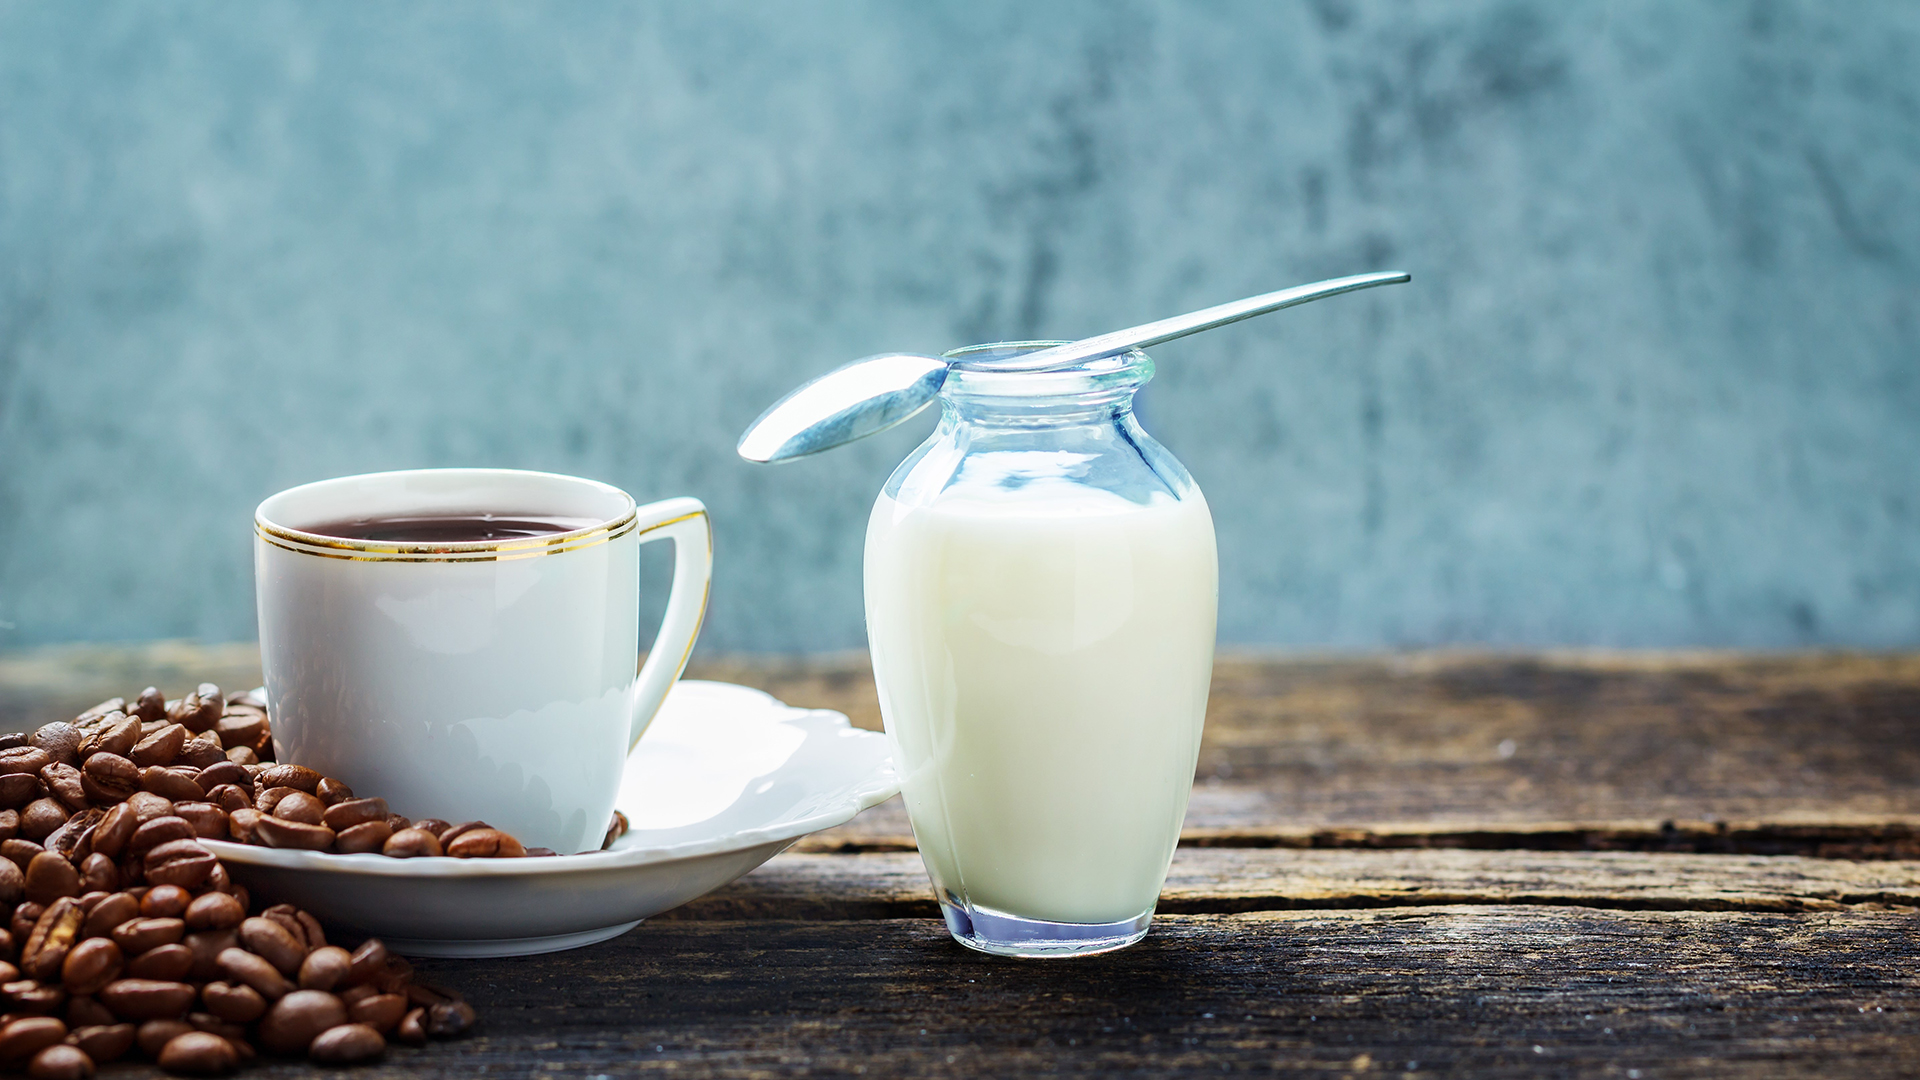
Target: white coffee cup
pixel 490 680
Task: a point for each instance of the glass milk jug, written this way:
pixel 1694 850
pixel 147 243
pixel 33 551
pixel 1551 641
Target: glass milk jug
pixel 1041 586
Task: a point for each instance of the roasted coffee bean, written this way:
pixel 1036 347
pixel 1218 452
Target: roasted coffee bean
pixel 333 792
pixel 90 965
pixel 235 1003
pixel 207 945
pixel 267 799
pixel 53 936
pixel 224 772
pixel 293 776
pixel 154 1034
pixel 115 910
pixel 25 916
pixel 366 837
pixel 60 740
pixel 13 883
pixel 433 825
pixel 357 993
pixel 396 822
pixel 241 966
pixel 452 832
pixel 157 999
pixel 41 817
pixel 202 751
pixel 240 729
pixel 136 936
pixel 347 1044
pixel 173 784
pixel 209 821
pixel 301 807
pixel 50 877
pixel 269 939
pixel 12 739
pixel 21 1039
pixel 213 1025
pixel 159 831
pixel 200 710
pixel 61 1062
pixel 345 815
pixel 241 822
pixel 103 1042
pixel 214 911
pixel 72 839
pixel 109 778
pixel 151 705
pixel 292 1022
pixel 198 1053
pixel 161 747
pixel 395 976
pixel 180 862
pixel 172 963
pixel 325 968
pixel 116 736
pixel 296 923
pixel 411 844
pixel 97 872
pixel 84 1011
pixel 34 997
pixel 229 797
pixel 116 827
pixel 63 783
pixel 165 902
pixel 24 759
pixel 367 961
pixel 9 824
pixel 275 833
pixel 412 1028
pixel 243 755
pixel 381 1012
pixel 485 844
pixel 147 806
pixel 19 789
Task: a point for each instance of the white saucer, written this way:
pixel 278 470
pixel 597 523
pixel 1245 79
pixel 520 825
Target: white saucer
pixel 725 778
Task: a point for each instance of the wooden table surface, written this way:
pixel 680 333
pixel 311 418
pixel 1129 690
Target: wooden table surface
pixel 1633 865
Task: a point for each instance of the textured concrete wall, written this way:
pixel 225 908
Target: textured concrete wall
pixel 1657 382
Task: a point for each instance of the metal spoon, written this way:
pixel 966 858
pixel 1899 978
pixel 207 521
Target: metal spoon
pixel 874 393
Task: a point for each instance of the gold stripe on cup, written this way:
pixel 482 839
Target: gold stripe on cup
pixel 330 547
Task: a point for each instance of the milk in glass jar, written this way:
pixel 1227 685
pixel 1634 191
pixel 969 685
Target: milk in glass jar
pixel 1041 587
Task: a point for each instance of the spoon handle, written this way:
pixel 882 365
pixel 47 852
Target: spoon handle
pixel 1179 326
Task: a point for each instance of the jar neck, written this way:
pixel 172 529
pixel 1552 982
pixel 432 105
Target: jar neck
pixel 1094 392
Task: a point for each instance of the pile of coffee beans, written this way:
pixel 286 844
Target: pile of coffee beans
pixel 122 930
pixel 211 760
pixel 185 975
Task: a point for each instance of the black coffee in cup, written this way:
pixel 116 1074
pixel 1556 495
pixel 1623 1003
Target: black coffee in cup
pixel 450 528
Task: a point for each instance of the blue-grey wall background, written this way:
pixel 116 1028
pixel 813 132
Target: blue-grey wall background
pixel 1657 381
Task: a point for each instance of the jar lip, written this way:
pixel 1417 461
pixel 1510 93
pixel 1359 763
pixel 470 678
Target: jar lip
pixel 1125 371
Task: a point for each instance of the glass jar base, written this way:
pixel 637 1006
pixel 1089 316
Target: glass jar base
pixel 1000 934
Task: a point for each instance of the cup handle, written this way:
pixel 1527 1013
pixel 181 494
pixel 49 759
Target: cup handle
pixel 684 521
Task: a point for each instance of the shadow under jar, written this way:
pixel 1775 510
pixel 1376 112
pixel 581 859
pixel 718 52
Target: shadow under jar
pixel 1041 589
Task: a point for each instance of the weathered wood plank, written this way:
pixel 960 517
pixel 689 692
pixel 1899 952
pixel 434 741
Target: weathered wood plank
pixel 1464 990
pixel 1218 880
pixel 1791 754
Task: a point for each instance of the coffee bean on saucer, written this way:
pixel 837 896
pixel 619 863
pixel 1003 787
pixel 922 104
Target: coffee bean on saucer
pixel 448 834
pixel 201 751
pixel 180 862
pixel 209 821
pixel 350 812
pixel 433 825
pixel 412 844
pixel 301 807
pixel 293 776
pixel 332 791
pixel 173 784
pixel 277 833
pixel 364 838
pixel 200 710
pixel 485 843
